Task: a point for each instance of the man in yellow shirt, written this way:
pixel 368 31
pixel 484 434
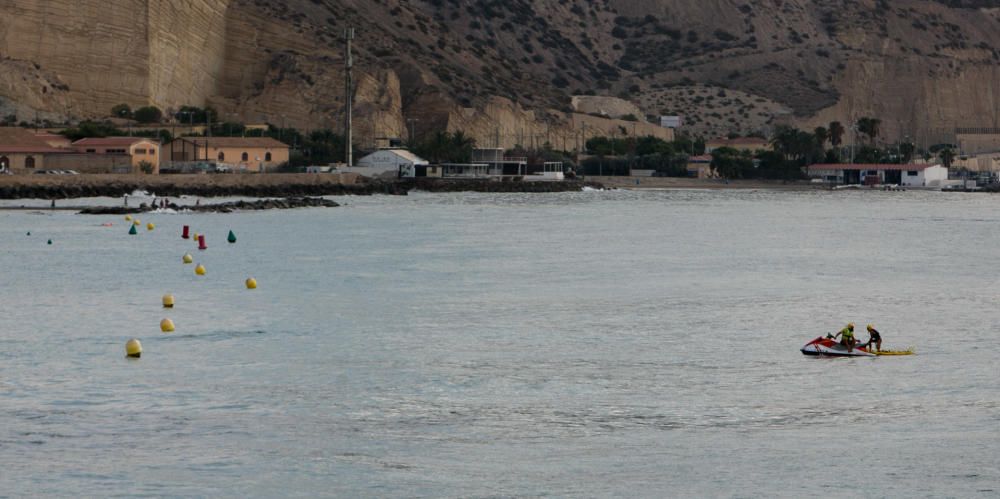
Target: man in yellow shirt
pixel 847 337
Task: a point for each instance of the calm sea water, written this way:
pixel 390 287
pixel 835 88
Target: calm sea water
pixel 630 344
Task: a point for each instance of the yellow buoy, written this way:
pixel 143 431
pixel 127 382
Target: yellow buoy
pixel 251 283
pixel 128 218
pixel 200 269
pixel 133 348
pixel 188 258
pixel 196 237
pixel 137 222
pixel 168 301
pixel 167 326
pixel 150 226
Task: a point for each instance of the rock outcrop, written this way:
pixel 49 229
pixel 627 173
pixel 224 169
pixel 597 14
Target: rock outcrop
pixel 506 72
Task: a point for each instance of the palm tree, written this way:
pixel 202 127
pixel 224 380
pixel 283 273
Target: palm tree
pixel 869 127
pixel 947 156
pixel 822 135
pixel 836 133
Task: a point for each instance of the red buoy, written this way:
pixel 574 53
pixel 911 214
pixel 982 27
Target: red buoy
pixel 185 234
pixel 201 242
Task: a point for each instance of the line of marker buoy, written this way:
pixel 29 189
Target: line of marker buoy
pixel 133 348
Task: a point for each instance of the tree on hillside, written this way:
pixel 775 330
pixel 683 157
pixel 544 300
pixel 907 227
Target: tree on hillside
pixel 947 156
pixel 822 135
pixel 796 145
pixel 730 163
pixel 446 147
pixel 148 114
pixel 906 150
pixel 836 133
pixel 122 111
pixel 869 127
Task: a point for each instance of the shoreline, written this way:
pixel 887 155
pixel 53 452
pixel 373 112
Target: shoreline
pixel 298 185
pixel 276 185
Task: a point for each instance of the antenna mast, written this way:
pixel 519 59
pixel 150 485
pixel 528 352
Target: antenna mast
pixel 349 94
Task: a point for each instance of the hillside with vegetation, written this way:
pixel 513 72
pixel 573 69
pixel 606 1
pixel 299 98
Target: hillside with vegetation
pixel 506 71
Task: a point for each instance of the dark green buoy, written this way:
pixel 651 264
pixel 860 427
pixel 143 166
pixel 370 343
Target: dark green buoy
pixel 29 233
pixel 132 230
pixel 50 241
pixel 232 237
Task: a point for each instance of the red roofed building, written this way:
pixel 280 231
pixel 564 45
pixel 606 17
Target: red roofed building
pixel 21 151
pixel 138 151
pixel 911 175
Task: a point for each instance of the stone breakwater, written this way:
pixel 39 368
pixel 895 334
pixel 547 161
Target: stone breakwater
pixel 263 204
pixel 262 186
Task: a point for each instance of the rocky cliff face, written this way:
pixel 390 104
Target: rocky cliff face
pixel 506 71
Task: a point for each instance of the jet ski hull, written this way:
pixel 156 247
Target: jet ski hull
pixel 831 348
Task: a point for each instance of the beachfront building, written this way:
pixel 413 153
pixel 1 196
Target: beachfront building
pixel 24 152
pixel 238 154
pixel 497 163
pixel 752 144
pixel 910 175
pixel 394 162
pixel 700 166
pixel 142 154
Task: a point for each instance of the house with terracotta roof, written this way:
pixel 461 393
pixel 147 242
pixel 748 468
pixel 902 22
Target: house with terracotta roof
pixel 752 144
pixel 22 152
pixel 248 154
pixel 138 151
pixel 910 175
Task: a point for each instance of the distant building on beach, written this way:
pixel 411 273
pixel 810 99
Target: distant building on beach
pixel 24 151
pixel 393 162
pixel 700 166
pixel 135 151
pixel 910 175
pixel 247 154
pixel 977 140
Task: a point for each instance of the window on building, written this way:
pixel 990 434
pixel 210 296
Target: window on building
pixel 267 157
pixel 246 157
pixel 222 156
pixel 4 163
pixel 91 150
pixel 29 162
pixel 140 151
pixel 911 173
pixel 871 172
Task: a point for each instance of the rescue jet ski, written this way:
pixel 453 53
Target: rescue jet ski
pixel 828 346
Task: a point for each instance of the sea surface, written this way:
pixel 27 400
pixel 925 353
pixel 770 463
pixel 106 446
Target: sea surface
pixel 594 344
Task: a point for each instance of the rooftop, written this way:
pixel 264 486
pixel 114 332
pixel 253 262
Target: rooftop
pixel 111 141
pixel 871 166
pixel 236 142
pixel 19 140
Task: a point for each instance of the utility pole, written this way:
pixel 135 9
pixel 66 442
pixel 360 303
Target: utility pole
pixel 411 121
pixel 348 94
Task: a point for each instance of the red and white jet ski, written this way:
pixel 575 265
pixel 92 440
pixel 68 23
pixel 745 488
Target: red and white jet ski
pixel 828 346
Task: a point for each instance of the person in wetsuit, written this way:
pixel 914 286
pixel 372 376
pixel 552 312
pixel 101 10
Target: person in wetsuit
pixel 874 338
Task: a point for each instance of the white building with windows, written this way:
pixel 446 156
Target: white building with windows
pixel 909 175
pixel 397 162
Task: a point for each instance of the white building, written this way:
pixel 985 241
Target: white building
pixel 910 175
pixel 395 162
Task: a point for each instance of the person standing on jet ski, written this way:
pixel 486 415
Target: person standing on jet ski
pixel 874 337
pixel 847 337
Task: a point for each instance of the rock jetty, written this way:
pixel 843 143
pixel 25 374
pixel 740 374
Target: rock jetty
pixel 263 204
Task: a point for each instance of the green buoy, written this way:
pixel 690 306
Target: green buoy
pixel 232 237
pixel 50 241
pixel 132 230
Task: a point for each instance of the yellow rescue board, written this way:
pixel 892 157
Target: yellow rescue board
pixel 908 351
